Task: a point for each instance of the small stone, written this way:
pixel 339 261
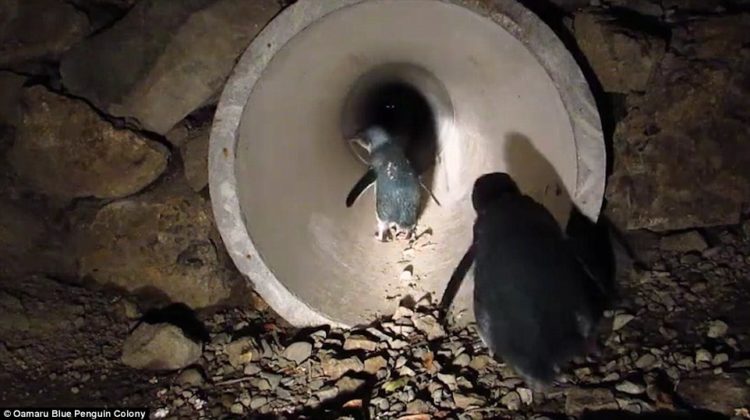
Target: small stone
pixel 418 407
pixel 646 361
pixel 684 242
pixel 272 378
pixel 75 390
pixel 348 384
pixel 466 401
pixel 527 396
pixel 258 402
pixel 448 380
pixel 159 347
pixel 717 329
pixel 191 378
pixel 241 352
pixel 703 356
pixel 298 352
pixel 511 400
pixel 237 408
pixel 374 364
pixel 327 393
pixel 621 320
pixel 251 369
pixel 402 312
pixel 630 388
pixel 357 342
pixel 336 368
pixel 407 274
pixel 462 360
pixel 720 359
pixel 429 326
pixel 480 363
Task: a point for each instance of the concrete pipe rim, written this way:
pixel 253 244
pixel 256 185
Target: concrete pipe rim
pixel 520 22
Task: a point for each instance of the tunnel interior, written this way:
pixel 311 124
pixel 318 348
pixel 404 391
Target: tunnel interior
pixel 462 106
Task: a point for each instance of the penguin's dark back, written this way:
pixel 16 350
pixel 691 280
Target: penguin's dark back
pixel 530 292
pixel 397 186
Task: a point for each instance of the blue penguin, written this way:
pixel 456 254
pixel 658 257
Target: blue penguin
pixel 397 186
pixel 535 304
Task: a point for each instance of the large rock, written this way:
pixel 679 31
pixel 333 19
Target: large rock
pixel 681 158
pixel 622 59
pixel 38 29
pixel 162 243
pixel 720 394
pixel 159 347
pixel 30 242
pixel 165 58
pixel 64 149
pixel 194 154
pixel 11 86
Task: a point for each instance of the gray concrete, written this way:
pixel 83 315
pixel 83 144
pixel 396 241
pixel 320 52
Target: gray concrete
pixel 508 97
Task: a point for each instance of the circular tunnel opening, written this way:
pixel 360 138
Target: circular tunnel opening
pixel 496 98
pixel 407 101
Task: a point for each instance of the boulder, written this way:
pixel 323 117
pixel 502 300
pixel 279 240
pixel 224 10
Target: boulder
pixel 65 150
pixel 30 242
pixel 720 394
pixel 11 86
pixel 681 159
pixel 162 243
pixel 194 154
pixel 159 347
pixel 622 59
pixel 38 29
pixel 165 58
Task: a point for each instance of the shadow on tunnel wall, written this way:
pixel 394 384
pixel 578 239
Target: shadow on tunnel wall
pixel 591 241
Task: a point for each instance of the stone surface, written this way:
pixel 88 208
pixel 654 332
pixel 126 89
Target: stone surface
pixel 681 160
pixel 683 242
pixel 30 241
pixel 720 394
pixel 357 342
pixel 11 87
pixel 159 347
pixel 622 59
pixel 161 243
pixel 298 352
pixel 38 29
pixel 194 154
pixel 578 400
pixel 336 368
pixel 621 320
pixel 165 58
pixel 65 150
pixel 240 352
pixel 717 328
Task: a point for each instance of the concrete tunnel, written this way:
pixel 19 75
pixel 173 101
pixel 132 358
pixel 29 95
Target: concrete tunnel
pixel 491 88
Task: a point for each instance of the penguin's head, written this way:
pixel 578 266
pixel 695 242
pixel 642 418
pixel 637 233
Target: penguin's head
pixel 375 137
pixel 489 187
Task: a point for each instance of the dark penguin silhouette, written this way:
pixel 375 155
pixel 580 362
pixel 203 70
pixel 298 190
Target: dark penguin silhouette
pixel 397 187
pixel 536 306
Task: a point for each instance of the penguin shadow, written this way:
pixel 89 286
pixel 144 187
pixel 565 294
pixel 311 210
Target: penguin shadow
pixel 591 241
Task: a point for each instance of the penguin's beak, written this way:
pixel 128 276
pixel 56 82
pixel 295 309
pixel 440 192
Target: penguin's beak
pixel 360 142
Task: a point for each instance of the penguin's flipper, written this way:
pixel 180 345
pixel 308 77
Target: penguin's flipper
pixel 432 195
pixel 367 180
pixel 456 280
